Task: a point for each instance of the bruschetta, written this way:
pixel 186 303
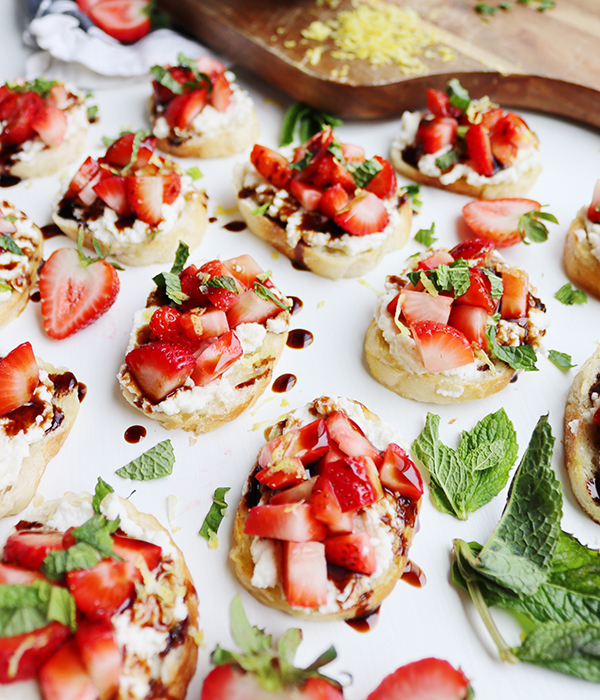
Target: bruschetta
pixel 582 247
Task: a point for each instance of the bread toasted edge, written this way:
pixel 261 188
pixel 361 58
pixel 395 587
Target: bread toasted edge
pixel 582 268
pixel 51 160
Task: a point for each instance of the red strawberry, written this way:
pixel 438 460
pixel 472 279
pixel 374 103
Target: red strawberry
pixel 9 103
pixel 352 480
pixel 515 293
pixel 437 133
pixel 165 324
pixel 399 474
pixel 326 171
pixel 64 676
pixel 441 347
pixel 58 96
pixel 86 173
pixel 293 523
pixel 353 551
pixel 103 589
pixel 307 194
pixel 477 139
pixel 250 308
pixel 308 443
pixel 246 270
pixel 29 548
pixel 503 150
pixel 497 220
pixel 10 574
pixel 162 94
pixel 131 550
pixel 427 679
pixel 124 20
pixel 478 293
pixel 271 165
pixel 353 153
pixel 349 437
pixel 593 212
pixel 199 324
pixel 220 95
pixel 145 196
pixel 421 306
pixel 101 656
pixel 513 129
pixel 294 494
pixel 438 103
pixel 75 290
pixel 437 258
pixel 19 127
pixel 171 187
pixel 216 358
pixel 280 475
pixel 19 376
pixel 471 321
pixel 304 574
pixel 86 5
pixel 384 184
pixel 210 66
pixel 113 192
pixel 364 214
pixel 321 689
pixel 22 655
pixel 332 200
pixel 50 123
pixel 183 109
pixel 325 506
pixel 316 146
pixel 120 151
pixel 159 368
pixel 474 249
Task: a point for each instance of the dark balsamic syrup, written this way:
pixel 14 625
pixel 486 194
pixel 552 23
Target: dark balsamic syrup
pixel 135 433
pixel 299 338
pixel 365 623
pixel 284 383
pixel 9 180
pixel 235 226
pixel 297 305
pixel 81 391
pixel 212 219
pixel 35 297
pixel 297 265
pixel 50 230
pixel 414 575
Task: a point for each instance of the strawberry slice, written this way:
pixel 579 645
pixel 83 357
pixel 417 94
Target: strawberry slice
pixel 100 591
pixel 58 96
pixel 171 187
pixel 471 321
pixel 131 550
pixel 326 508
pixel 19 377
pixel 145 196
pixel 221 93
pixel 210 66
pixel 86 173
pixel 199 324
pixel 181 75
pixel 475 249
pixel 478 293
pixel 513 129
pixel 280 475
pixel 246 270
pixel 437 258
pixel 19 128
pixel 477 139
pixel 22 655
pixel 217 358
pixel 515 293
pixel 165 324
pixel 64 677
pixel 308 443
pixel 332 200
pixel 307 194
pixel 399 474
pixel 438 103
pixel 304 574
pixel 292 523
pixel 593 212
pixel 125 20
pixel 86 5
pixel 316 146
pixel 353 551
pixel 159 368
pixel 50 123
pixel 349 437
pixel 293 494
pixel 183 109
pixel 497 220
pixel 101 655
pixel 28 548
pixel 9 103
pixel 422 306
pixel 384 184
pixel 113 192
pixel 363 215
pixel 353 153
pixel 441 347
pixel 503 150
pixel 353 480
pixel 435 134
pixel 271 165
pixel 75 290
pixel 11 574
pixel 119 153
pixel 250 308
pixel 326 171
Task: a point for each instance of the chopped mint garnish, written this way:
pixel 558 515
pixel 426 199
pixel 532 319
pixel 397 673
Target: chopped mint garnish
pixel 425 236
pixel 214 517
pixel 569 296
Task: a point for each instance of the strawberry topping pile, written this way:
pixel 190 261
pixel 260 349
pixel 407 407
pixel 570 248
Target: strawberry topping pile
pixel 333 181
pixel 130 179
pixel 316 482
pixel 19 377
pixel 181 92
pixel 475 132
pixel 191 334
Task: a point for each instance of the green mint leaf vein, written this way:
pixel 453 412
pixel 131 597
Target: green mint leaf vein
pixel 155 463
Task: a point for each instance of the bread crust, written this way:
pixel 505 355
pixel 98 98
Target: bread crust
pixel 189 227
pixel 51 160
pixel 380 587
pixel 581 266
pixel 65 400
pixel 581 438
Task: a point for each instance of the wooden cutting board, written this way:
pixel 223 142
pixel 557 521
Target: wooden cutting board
pixel 548 61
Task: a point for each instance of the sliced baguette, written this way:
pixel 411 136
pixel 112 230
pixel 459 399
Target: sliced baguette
pixel 581 266
pixel 51 160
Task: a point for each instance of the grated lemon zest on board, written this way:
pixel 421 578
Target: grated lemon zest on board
pixel 289 44
pixel 313 56
pixel 317 31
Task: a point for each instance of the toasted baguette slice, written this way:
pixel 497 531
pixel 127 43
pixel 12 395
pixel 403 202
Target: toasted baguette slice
pixel 364 594
pixel 64 408
pixel 581 266
pixel 51 160
pixel 20 272
pixel 159 246
pixel 582 437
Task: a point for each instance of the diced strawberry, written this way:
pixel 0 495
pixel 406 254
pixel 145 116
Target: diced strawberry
pixel 364 214
pixel 191 281
pixel 159 368
pixel 293 523
pixel 326 508
pixel 384 184
pixel 309 443
pixel 316 146
pixel 165 324
pixel 250 308
pixel 87 195
pixel 209 66
pixel 307 194
pixel 353 153
pixel 28 548
pixel 491 117
pixel 145 196
pixel 392 307
pixel 58 96
pixel 503 150
pixel 50 123
pixel 427 679
pixel 497 220
pixel 184 108
pixel 64 677
pixel 221 93
pixel 131 550
pixel 318 688
pixel 422 306
pixel 19 127
pixel 271 165
pixel 515 293
pixel 352 482
pixel 198 324
pixel 10 103
pixel 119 153
pixel 437 258
pixel 125 20
pixel 113 192
pixel 471 321
pixel 304 574
pixel 217 358
pixel 100 591
pixel 101 656
pixel 474 249
pixel 19 377
pixel 478 293
pixel 327 171
pixel 438 103
pixel 280 475
pixel 75 291
pixel 441 347
pixel 83 176
pixel 354 551
pixel 246 270
pixel 333 454
pixel 294 494
pixel 437 133
pixel 332 200
pixel 477 139
pixel 162 94
pixel 399 474
pixel 513 129
pixel 171 187
pixel 22 655
pixel 593 212
pixel 11 574
pixel 349 437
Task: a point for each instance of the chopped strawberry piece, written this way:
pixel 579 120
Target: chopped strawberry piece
pixel 87 195
pixel 515 294
pixel 22 655
pixel 441 347
pixel 353 551
pixel 333 200
pixel 513 129
pixel 120 152
pixel 477 139
pixel 11 574
pixel 113 192
pixel 159 368
pixel 58 96
pixel 307 194
pixel 199 324
pixel 220 297
pixel 353 153
pixel 309 443
pixel 221 93
pixel 145 196
pixel 171 187
pixel 50 123
pixel 165 324
pixel 353 482
pixel 101 656
pixel 10 103
pixel 437 133
pixel 210 66
pixel 471 321
pixel 131 550
pixel 326 508
pixel 19 128
pixel 497 220
pixel 422 306
pixel 7 227
pixel 474 249
pixel 29 548
pixel 437 258
pixel 438 103
pixel 100 591
pixel 363 215
pixel 304 574
pixel 183 109
pixel 316 146
pixel 125 20
pixel 271 165
pixel 294 494
pixel 399 474
pixel 326 171
pixel 478 293
pixel 162 94
pixel 64 677
pixel 292 523
pixel 250 308
pixel 491 117
pixel 191 281
pixel 83 176
pixel 246 270
pixel 503 150
pixel 593 212
pixel 217 358
pixel 384 184
pixel 349 437
pixel 19 377
pixel 280 475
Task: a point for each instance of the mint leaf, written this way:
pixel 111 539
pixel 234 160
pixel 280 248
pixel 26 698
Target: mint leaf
pixel 25 608
pixel 261 210
pixel 413 192
pixel 496 283
pixel 484 9
pixel 164 77
pixel 9 245
pixel 5 287
pixel 181 255
pixel 265 293
pixel 447 160
pixel 195 173
pixel 138 137
pixel 446 278
pixel 97 533
pixel 569 296
pixel 171 284
pixel 221 282
pixel 306 121
pixel 364 172
pixel 520 357
pixel 153 464
pixel 425 236
pixel 459 97
pixel 80 556
pixel 531 225
pixel 102 490
pixel 561 360
pixel 215 515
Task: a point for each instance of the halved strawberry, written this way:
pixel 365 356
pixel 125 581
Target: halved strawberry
pixel 503 150
pixel 352 481
pixel 515 293
pixel 471 321
pixel 86 5
pixel 183 109
pixel 384 184
pixel 332 200
pixel 349 437
pixel 497 220
pixel 130 549
pixel 364 214
pixel 145 196
pixel 353 551
pixel 171 186
pixel 280 475
pixel 477 139
pixel 426 679
pixel 165 324
pixel 19 128
pixel 437 133
pixel 274 167
pixel 437 258
pixel 216 358
pixel 100 591
pixel 478 293
pixel 64 677
pixel 441 347
pixel 113 192
pixel 306 193
pixel 475 249
pixel 87 196
pixel 199 324
pixel 101 655
pixel 119 153
pixel 593 212
pixel 399 474
pixel 294 494
pixel 50 123
pixel 304 574
pixel 422 306
pixel 159 368
pixel 326 508
pixel 86 173
pixel 250 308
pixel 29 548
pixel 22 655
pixel 221 93
pixel 19 376
pixel 125 20
pixel 11 574
pixel 293 523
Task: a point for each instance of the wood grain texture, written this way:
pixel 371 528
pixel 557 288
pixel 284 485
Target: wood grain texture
pixel 547 61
